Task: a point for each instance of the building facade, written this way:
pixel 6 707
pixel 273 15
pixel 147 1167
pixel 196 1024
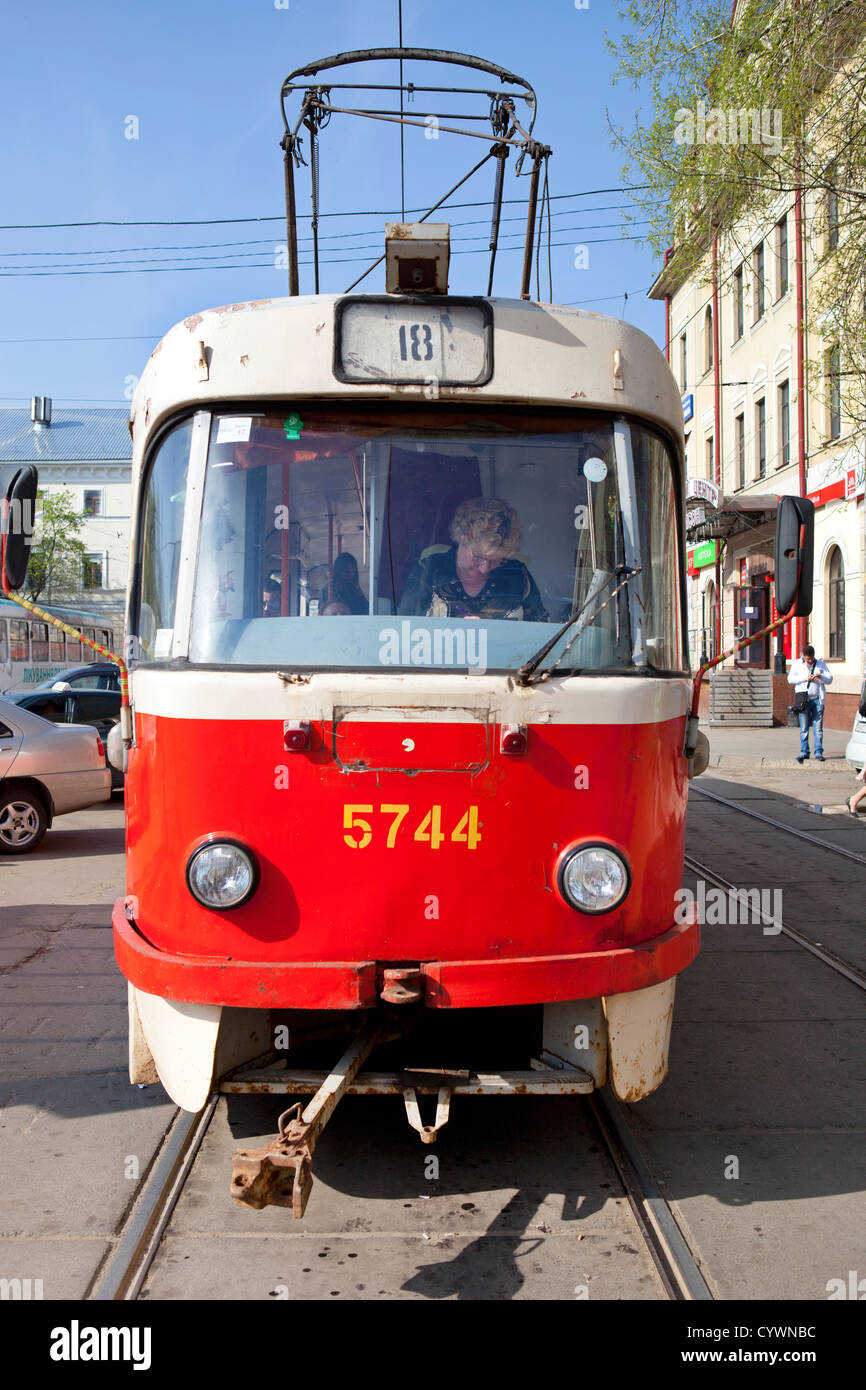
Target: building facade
pixel 764 416
pixel 88 453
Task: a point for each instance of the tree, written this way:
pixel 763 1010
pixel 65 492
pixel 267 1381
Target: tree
pixel 56 555
pixel 747 108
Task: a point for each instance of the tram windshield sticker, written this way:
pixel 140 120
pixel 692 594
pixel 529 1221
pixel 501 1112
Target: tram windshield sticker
pixel 404 341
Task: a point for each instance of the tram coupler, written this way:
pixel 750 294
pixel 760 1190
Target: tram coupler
pixel 280 1173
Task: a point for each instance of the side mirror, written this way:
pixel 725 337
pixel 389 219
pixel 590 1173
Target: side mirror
pixel 795 545
pixel 19 513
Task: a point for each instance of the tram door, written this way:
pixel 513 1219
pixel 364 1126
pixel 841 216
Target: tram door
pixel 750 615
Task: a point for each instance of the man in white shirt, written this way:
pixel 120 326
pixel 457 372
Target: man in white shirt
pixel 811 677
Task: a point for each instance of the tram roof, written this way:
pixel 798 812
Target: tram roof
pixel 279 349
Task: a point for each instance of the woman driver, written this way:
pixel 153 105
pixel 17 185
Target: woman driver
pixel 477 577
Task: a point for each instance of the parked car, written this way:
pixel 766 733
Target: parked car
pixel 99 708
pixel 99 675
pixel 46 770
pixel 855 749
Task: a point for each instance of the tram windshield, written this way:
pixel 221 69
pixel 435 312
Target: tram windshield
pixel 331 537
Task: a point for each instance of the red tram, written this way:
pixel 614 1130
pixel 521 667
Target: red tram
pixel 410 737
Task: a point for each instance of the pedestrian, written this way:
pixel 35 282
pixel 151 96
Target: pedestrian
pixel 856 797
pixel 810 679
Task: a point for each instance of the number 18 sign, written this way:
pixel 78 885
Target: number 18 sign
pixel 401 341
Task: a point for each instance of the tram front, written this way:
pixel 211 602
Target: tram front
pixel 409 685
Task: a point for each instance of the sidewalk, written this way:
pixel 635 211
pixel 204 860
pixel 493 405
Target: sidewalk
pixel 743 748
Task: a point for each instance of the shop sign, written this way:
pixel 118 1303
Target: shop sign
pixel 705 490
pixel 830 493
pixel 705 554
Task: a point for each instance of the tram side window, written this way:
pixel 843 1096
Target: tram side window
pixel 659 543
pixel 39 641
pixel 4 642
pixel 57 645
pixel 19 644
pixel 87 653
pixel 159 545
pixel 73 649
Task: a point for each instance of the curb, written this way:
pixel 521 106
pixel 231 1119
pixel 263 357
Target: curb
pixel 728 760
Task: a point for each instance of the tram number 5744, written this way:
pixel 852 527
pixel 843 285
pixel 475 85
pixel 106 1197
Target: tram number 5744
pixel 359 831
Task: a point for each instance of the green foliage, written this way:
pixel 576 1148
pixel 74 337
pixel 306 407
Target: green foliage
pixel 799 66
pixel 56 555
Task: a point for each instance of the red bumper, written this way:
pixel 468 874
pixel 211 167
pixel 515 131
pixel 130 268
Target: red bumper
pixel 459 984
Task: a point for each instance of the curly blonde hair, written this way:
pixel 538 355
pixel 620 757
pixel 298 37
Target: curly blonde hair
pixel 488 523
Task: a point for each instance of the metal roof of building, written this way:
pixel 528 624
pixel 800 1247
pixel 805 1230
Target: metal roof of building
pixel 84 434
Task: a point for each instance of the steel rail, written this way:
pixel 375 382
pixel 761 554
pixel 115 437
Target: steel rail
pixel 678 1269
pixel 780 825
pixel 850 972
pixel 124 1272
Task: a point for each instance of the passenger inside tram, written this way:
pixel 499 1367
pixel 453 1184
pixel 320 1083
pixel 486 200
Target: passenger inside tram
pixel 344 579
pixel 271 591
pixel 336 607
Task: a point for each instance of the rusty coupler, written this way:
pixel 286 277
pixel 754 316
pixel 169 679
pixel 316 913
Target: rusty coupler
pixel 281 1173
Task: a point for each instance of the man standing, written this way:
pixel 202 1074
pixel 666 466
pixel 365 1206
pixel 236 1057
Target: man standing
pixel 809 679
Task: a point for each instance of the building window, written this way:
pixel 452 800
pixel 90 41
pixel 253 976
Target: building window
pixel 758 268
pixel 93 502
pixel 740 442
pixel 708 451
pixel 782 257
pixel 683 370
pixel 708 339
pixel 831 208
pixel 739 306
pixel 784 424
pixel 834 393
pixel 836 599
pixel 761 437
pixel 93 572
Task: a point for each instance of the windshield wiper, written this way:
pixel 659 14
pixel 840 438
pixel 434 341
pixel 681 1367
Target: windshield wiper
pixel 623 573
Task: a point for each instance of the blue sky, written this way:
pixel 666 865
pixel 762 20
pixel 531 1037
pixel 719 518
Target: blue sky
pixel 202 80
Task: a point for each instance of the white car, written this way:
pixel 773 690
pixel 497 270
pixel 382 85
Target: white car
pixel 46 770
pixel 855 749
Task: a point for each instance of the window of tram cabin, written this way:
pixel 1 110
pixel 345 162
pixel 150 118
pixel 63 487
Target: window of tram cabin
pixel 433 538
pixel 56 645
pixel 159 544
pixel 39 641
pixel 19 645
pixel 4 642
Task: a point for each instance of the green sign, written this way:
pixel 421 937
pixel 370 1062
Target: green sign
pixel 705 554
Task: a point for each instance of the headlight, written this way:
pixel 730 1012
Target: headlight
pixel 594 878
pixel 222 874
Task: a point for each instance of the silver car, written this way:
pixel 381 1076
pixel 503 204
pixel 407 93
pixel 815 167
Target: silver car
pixel 45 770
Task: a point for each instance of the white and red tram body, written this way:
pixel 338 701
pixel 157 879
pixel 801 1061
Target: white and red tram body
pixel 341 787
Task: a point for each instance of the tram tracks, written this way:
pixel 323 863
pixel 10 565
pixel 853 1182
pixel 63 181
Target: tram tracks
pixel 780 825
pixel 668 1249
pixel 816 948
pixel 122 1276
